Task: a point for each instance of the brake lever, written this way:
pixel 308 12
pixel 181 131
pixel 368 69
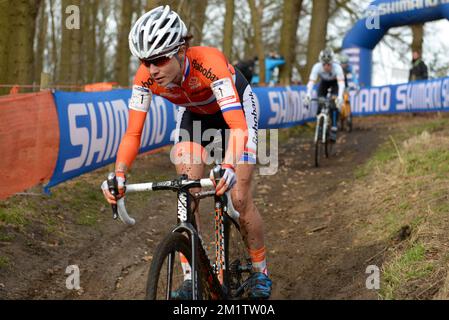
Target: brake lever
pixel 113 189
pixel 218 173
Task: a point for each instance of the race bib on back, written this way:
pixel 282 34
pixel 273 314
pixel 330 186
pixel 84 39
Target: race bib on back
pixel 140 99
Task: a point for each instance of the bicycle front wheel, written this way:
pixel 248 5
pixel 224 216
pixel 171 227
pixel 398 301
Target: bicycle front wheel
pixel 166 272
pixel 328 143
pixel 238 262
pixel 319 143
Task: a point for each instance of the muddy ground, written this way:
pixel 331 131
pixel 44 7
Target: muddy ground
pixel 312 252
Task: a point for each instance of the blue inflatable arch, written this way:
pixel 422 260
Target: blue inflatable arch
pixel 379 17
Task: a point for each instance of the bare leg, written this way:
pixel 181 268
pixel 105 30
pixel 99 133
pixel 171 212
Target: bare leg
pixel 250 218
pixel 189 162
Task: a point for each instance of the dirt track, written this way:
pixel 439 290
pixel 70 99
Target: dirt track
pixel 309 233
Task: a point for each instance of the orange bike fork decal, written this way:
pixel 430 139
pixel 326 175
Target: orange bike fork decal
pixel 219 244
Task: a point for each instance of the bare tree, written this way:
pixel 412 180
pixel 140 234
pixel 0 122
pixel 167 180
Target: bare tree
pixel 103 42
pixel 228 29
pixel 22 21
pixel 197 21
pixel 70 53
pixel 317 33
pixel 123 54
pixel 256 14
pixel 41 39
pixel 418 37
pixel 54 43
pixel 90 11
pixel 292 9
pixel 4 41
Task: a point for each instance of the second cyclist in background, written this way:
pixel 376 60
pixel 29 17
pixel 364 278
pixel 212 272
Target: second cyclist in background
pixel 330 75
pixel 351 84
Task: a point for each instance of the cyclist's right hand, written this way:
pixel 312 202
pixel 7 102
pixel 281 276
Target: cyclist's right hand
pixel 121 181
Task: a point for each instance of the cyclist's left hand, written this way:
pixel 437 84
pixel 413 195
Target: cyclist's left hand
pixel 121 181
pixel 227 181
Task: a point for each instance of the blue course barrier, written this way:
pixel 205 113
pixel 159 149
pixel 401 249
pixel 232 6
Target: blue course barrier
pixel 92 124
pixel 419 96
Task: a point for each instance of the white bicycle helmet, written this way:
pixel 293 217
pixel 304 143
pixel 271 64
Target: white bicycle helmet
pixel 157 33
pixel 327 55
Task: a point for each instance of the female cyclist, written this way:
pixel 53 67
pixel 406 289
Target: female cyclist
pixel 211 94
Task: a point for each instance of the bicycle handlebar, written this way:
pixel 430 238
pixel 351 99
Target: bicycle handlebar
pixel 120 208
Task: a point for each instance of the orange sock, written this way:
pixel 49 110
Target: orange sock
pixel 259 260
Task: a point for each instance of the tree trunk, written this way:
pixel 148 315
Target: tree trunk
pixel 66 48
pixel 89 38
pixel 418 37
pixel 317 34
pixel 228 29
pixel 100 74
pixel 151 4
pixel 76 57
pixel 4 41
pixel 70 56
pixel 123 53
pixel 256 14
pixel 292 9
pixel 54 45
pixel 41 40
pixel 21 54
pixel 197 22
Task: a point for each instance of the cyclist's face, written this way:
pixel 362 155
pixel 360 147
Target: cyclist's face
pixel 166 70
pixel 327 67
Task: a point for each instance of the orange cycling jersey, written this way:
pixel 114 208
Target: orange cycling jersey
pixel 207 87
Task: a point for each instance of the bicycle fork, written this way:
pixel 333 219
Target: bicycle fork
pixel 317 129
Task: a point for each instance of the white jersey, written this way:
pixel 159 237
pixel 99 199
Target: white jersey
pixel 335 74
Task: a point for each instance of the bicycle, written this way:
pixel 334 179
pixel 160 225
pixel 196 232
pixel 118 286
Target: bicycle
pixel 222 279
pixel 323 126
pixel 346 122
pixel 346 114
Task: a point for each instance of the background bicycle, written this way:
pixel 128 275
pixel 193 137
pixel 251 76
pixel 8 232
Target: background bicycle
pixel 346 119
pixel 322 141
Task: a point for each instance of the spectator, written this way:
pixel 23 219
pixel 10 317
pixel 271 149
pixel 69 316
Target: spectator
pixel 419 68
pixel 247 68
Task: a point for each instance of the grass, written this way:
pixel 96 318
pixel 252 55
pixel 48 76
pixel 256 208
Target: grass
pixel 409 174
pixel 4 262
pixel 285 134
pixel 13 216
pixel 5 237
pixel 406 267
pixel 416 162
pixel 386 152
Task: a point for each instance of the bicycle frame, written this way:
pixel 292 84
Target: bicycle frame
pixel 186 223
pixel 324 114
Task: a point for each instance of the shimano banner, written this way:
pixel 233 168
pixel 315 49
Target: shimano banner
pixel 419 96
pixel 282 107
pixel 92 125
